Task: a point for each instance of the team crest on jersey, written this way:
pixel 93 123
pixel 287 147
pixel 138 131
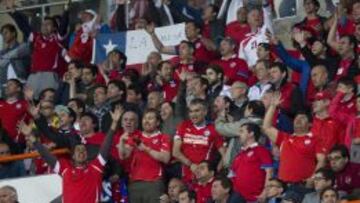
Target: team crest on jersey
pixel 43 45
pixel 207 133
pixel 172 84
pixel 232 65
pixel 249 154
pixel 18 106
pixel 198 45
pixel 191 67
pixel 156 141
pixel 348 180
pixel 307 142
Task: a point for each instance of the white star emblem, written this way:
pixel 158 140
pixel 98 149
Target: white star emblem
pixel 109 47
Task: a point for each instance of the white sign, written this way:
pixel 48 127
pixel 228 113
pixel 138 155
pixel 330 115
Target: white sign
pixel 36 189
pixel 139 44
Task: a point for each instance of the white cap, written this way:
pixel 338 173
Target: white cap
pixel 90 11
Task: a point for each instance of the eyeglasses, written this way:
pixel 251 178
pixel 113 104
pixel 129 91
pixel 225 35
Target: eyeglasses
pixel 334 158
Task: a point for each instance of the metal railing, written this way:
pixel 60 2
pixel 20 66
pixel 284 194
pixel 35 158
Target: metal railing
pixel 30 155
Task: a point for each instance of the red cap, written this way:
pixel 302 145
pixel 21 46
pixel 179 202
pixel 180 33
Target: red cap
pixel 322 95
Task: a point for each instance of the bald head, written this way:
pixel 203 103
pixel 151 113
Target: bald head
pixel 319 76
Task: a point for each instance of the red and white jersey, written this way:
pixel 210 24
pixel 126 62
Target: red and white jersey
pixel 153 170
pixel 198 143
pixel 10 115
pixel 46 52
pixel 248 46
pixel 81 184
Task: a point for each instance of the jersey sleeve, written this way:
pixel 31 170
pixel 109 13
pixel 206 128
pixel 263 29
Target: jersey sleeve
pixel 180 131
pixel 281 136
pixel 165 144
pixel 61 166
pixel 266 159
pixel 98 164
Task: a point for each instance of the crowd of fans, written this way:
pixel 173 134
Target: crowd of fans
pixel 233 117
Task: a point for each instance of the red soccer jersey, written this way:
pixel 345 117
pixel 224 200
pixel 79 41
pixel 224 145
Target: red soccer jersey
pixel 349 178
pixel 198 144
pixel 170 90
pixel 201 54
pixel 153 170
pixel 203 192
pixel 235 69
pixel 46 53
pixel 10 115
pixel 81 184
pixel 328 132
pixel 344 66
pixel 237 31
pixel 315 25
pixel 297 156
pixel 81 49
pixel 252 160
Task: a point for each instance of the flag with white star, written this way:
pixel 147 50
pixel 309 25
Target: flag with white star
pixel 105 43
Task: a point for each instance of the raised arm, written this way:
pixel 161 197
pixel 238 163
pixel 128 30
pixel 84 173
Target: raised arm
pixel 267 127
pixel 157 43
pixel 20 19
pixel 105 146
pixel 43 151
pixel 331 39
pixel 268 26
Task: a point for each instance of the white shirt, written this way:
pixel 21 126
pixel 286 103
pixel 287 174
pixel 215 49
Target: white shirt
pixel 250 44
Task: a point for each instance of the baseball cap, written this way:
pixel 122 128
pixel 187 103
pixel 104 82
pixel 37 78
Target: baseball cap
pixel 322 95
pixel 65 109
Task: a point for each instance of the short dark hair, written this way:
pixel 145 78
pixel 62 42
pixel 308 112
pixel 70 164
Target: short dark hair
pixel 217 69
pixel 42 93
pixel 349 82
pixel 327 173
pixel 257 107
pixel 17 82
pixel 154 111
pixel 203 81
pixel 225 182
pixel 191 193
pixel 93 68
pixel 93 118
pixel 136 88
pixel 53 21
pixel 306 113
pixel 281 183
pixel 188 43
pixel 77 63
pixel 352 40
pixel 80 103
pixel 342 149
pixel 200 102
pixel 100 86
pixel 161 64
pixel 328 189
pixel 209 164
pixel 254 128
pixel 283 69
pixel 9 27
pixel 119 84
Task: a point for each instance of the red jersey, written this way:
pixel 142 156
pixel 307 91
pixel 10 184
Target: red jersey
pixel 328 132
pixel 46 52
pixel 203 192
pixel 235 69
pixel 349 178
pixel 198 144
pixel 286 91
pixel 237 31
pixel 96 139
pixel 153 170
pixel 253 160
pixel 344 66
pixel 314 25
pixel 81 184
pixel 81 49
pixel 170 90
pixel 201 54
pixel 297 156
pixel 10 115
